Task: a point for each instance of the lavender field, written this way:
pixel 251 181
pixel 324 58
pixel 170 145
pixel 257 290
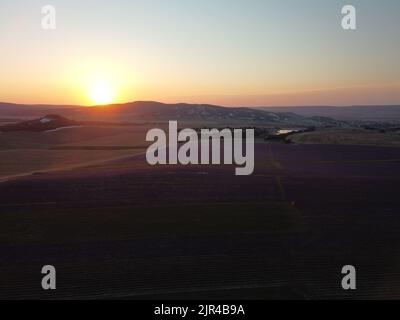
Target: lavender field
pixel 124 229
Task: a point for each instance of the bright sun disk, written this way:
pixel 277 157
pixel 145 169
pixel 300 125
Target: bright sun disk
pixel 101 93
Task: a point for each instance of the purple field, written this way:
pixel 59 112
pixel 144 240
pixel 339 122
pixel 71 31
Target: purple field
pixel 124 229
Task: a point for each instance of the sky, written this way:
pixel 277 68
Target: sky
pixel 227 52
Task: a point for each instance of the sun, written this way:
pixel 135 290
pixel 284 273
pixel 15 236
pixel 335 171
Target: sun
pixel 102 92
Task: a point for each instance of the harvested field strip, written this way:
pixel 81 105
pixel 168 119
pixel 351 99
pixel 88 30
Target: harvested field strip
pixel 98 148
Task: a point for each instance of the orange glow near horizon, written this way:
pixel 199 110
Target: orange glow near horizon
pixel 98 83
pixel 91 81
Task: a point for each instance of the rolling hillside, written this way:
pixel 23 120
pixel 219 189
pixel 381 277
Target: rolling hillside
pixel 351 113
pixel 155 111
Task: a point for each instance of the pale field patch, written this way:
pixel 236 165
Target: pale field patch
pixel 14 163
pixel 26 153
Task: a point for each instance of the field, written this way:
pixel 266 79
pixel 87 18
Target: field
pixel 123 229
pixel 348 137
pixel 27 153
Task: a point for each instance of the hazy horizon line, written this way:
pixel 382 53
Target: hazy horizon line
pixel 199 104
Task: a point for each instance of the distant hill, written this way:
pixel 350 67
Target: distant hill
pixel 155 111
pixel 47 123
pixel 22 111
pixel 351 113
pixel 147 110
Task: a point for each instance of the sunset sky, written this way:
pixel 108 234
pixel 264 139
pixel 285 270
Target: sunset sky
pixel 228 52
